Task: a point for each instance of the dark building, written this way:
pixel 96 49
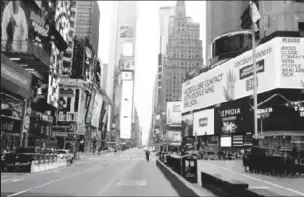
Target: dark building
pixel 87 22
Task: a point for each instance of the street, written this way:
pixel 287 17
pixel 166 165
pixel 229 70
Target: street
pixel 233 169
pixel 113 174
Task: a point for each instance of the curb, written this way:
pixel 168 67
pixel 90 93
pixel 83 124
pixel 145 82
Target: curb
pixel 183 187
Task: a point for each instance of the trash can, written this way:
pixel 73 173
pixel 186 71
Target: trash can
pixel 165 158
pixel 189 168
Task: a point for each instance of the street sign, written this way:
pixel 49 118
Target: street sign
pixel 59 134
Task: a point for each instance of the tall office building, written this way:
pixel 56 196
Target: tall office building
pixel 120 78
pixel 164 18
pixel 184 52
pixel 87 24
pixel 225 16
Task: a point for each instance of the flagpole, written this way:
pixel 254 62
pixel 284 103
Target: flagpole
pixel 255 97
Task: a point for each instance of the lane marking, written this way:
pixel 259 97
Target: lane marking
pixel 121 173
pixel 48 183
pixel 258 187
pixel 267 182
pixel 132 183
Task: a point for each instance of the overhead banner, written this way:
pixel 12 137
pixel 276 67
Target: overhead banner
pixel 234 79
pixel 203 123
pixel 126 110
pixel 174 113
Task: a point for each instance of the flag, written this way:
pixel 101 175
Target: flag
pixel 255 15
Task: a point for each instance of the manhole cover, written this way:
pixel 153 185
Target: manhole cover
pixel 132 183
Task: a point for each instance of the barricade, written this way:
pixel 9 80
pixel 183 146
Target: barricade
pixel 229 188
pixel 44 162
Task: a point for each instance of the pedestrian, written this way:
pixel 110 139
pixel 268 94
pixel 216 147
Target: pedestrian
pixel 147 155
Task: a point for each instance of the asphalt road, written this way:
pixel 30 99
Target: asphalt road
pixel 283 186
pixel 120 174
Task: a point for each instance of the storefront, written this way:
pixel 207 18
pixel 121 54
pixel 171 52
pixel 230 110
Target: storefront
pixel 228 89
pixel 15 91
pixel 40 128
pixel 281 119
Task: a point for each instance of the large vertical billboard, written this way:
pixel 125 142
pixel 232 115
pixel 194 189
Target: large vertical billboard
pixel 126 110
pixel 69 104
pixel 187 125
pixel 174 113
pixel 97 110
pixel 62 23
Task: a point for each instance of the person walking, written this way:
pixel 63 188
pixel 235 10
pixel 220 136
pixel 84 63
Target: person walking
pixel 147 155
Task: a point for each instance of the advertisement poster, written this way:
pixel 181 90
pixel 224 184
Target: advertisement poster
pixel 234 79
pixel 126 110
pixel 203 123
pixel 23 24
pixel 234 117
pixel 97 110
pixel 226 142
pixel 127 49
pixel 88 62
pixel 128 63
pixel 272 117
pixel 174 113
pixel 187 125
pixel 126 76
pixel 292 62
pixel 89 114
pixel 69 100
pixel 126 32
pixel 174 136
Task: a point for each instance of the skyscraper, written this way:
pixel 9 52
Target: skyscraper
pixel 184 52
pixel 222 17
pixel 121 65
pixel 87 24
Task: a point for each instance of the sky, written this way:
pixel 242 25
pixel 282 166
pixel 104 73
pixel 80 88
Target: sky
pixel 147 48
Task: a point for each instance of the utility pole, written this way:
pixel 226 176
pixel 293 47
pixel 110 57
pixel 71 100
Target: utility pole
pixel 255 96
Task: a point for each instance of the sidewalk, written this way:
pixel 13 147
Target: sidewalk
pixel 234 169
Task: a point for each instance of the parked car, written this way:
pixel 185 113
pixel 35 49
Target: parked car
pixel 65 154
pixel 21 158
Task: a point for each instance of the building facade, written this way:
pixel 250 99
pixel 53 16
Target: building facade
pixel 225 16
pixel 121 66
pixel 87 24
pixel 184 53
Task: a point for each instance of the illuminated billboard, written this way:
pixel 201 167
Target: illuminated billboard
pixel 23 24
pixel 126 110
pixel 127 49
pixel 62 23
pixel 126 76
